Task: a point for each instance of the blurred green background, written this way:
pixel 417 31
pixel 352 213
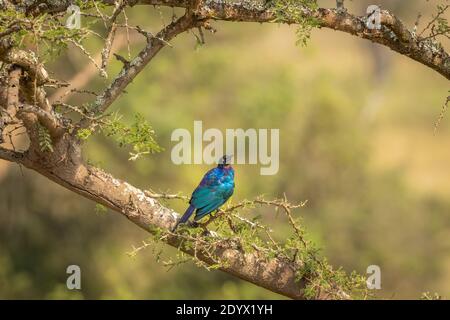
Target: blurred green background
pixel 356 128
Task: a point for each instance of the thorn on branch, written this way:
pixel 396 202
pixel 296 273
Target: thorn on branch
pixel 86 53
pixel 125 62
pixel 84 114
pixel 149 36
pixel 56 84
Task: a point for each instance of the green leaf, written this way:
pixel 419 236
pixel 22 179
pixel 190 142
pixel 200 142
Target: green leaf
pixel 140 136
pixel 45 140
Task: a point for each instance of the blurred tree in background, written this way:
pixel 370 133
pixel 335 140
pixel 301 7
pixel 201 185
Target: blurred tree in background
pixel 356 130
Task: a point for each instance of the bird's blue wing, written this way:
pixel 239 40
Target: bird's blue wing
pixel 213 205
pixel 213 191
pixel 206 199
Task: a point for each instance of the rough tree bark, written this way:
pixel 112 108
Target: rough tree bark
pixel 65 166
pixel 395 36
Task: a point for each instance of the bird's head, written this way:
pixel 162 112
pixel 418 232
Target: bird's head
pixel 225 160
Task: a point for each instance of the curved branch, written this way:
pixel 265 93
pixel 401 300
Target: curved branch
pixel 395 35
pixel 277 274
pixel 26 60
pixel 47 118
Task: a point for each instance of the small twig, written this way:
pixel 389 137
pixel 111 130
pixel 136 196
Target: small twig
pixel 121 59
pixel 435 18
pixel 150 36
pixel 154 195
pixel 86 53
pixel 127 28
pixel 78 110
pixel 119 6
pixel 101 15
pixel 441 115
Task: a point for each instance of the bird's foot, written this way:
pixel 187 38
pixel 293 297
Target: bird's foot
pixel 193 224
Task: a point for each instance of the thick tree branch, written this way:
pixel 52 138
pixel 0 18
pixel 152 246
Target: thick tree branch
pixel 47 118
pixel 277 274
pixel 26 60
pixel 395 35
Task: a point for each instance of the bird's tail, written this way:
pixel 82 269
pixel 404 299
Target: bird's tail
pixel 185 216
